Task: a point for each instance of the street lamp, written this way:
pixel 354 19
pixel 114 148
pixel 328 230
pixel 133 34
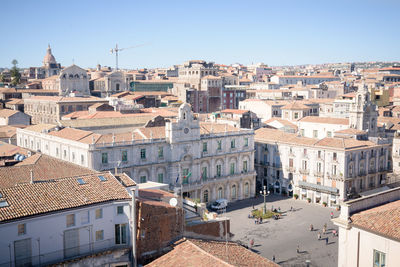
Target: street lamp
pixel 265 193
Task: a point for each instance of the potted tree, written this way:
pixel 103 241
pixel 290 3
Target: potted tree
pixel 324 204
pixel 296 196
pixel 308 200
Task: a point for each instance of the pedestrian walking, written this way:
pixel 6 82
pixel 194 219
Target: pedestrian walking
pixel 279 209
pixel 326 240
pixel 260 219
pixel 298 249
pixel 251 243
pixel 273 258
pixel 319 236
pixel 331 214
pixel 255 221
pixel 291 208
pixel 311 227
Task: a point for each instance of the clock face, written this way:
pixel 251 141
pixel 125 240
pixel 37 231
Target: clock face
pixel 186 130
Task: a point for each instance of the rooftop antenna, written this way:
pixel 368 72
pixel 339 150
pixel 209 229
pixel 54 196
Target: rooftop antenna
pixel 117 49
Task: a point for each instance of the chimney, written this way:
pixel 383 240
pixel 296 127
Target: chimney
pixel 31 176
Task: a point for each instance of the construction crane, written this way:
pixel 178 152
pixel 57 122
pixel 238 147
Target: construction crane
pixel 116 50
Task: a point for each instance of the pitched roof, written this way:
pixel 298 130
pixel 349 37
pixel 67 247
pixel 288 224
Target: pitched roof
pixel 209 127
pixel 8 150
pixel 281 121
pixel 43 168
pixel 5 113
pixel 295 106
pixel 54 195
pixel 196 252
pixel 71 134
pixel 383 220
pixel 316 119
pixel 346 143
pixel 40 127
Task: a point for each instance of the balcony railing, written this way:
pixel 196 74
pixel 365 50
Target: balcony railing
pixel 304 171
pixel 57 256
pixel 318 174
pixel 199 182
pixel 291 169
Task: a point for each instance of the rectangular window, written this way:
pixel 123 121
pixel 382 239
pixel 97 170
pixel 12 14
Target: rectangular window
pixel 291 163
pixel 219 145
pixel 124 156
pixel 319 153
pixel 379 259
pixel 104 158
pixel 185 175
pixel 160 152
pixel 233 143
pixel 204 173
pixel 334 169
pixel 296 115
pixel 82 159
pixel 315 133
pixel 329 134
pixel 120 234
pixel 334 156
pixel 161 177
pixel 265 172
pixel 99 235
pixel 304 164
pixel 232 168
pixel 70 220
pixel 246 142
pixel 143 179
pixel 21 229
pixel 219 170
pixel 120 210
pixel 205 147
pixel 245 166
pixel 319 167
pixel 305 151
pixel 143 153
pixel 302 132
pixel 85 217
pixel 99 213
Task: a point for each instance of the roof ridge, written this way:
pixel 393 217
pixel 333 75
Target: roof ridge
pixel 208 254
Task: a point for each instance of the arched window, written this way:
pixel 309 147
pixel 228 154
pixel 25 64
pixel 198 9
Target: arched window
pixel 233 192
pixel 117 87
pixel 71 76
pixel 246 189
pixel 220 193
pixel 77 76
pixel 205 196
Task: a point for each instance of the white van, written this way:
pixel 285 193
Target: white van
pixel 220 204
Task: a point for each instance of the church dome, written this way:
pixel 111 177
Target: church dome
pixel 49 58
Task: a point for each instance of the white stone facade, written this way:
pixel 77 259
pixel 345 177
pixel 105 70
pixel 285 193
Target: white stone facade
pixel 221 163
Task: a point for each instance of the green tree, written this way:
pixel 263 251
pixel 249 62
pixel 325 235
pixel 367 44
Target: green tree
pixel 15 74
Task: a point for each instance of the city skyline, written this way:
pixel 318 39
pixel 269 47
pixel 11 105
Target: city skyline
pixel 285 33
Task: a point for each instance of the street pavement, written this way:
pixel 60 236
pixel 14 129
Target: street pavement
pixel 281 237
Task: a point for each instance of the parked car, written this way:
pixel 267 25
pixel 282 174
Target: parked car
pixel 219 204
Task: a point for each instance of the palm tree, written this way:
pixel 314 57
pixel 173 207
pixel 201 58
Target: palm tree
pixel 15 75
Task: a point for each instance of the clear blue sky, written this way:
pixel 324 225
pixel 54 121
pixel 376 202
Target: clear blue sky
pixel 274 32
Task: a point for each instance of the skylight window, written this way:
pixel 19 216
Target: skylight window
pixel 3 203
pixel 81 181
pixel 102 178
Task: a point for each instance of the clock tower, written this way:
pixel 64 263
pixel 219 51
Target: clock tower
pixel 186 128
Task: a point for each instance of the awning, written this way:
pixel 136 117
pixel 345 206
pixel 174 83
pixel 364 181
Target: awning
pixel 303 191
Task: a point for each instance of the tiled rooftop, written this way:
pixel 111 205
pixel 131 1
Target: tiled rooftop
pixel 60 194
pixel 196 252
pixel 43 168
pixel 383 220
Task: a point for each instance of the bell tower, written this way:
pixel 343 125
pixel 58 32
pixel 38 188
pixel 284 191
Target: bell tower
pixel 363 115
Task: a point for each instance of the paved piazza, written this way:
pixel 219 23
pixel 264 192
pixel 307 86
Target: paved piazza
pixel 281 237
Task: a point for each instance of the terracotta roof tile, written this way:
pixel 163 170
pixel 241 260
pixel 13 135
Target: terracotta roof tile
pixel 59 194
pixel 196 252
pixel 234 111
pixel 383 220
pixel 43 168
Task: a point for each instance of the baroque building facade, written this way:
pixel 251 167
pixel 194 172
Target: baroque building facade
pixel 208 160
pixel 326 170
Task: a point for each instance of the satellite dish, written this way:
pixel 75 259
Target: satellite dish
pixel 173 202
